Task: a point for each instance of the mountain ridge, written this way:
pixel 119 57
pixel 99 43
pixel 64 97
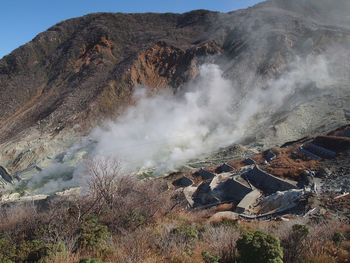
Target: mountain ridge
pixel 82 70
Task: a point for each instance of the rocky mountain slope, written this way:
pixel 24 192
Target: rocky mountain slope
pixel 64 82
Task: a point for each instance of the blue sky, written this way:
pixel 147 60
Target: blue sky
pixel 22 20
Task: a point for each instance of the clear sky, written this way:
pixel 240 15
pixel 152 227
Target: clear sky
pixel 22 20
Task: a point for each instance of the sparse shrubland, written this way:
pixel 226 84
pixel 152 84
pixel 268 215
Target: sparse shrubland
pixel 124 219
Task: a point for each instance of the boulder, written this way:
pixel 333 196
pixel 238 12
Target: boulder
pixel 223 215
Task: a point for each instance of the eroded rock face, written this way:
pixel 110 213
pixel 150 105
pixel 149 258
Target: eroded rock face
pixel 5 177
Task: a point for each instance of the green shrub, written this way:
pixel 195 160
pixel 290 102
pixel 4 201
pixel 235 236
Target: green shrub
pixel 338 238
pixel 136 218
pixel 226 222
pixel 259 247
pixel 7 251
pixel 295 245
pixel 31 251
pixel 208 258
pixel 301 230
pixel 23 251
pixel 188 232
pixel 93 235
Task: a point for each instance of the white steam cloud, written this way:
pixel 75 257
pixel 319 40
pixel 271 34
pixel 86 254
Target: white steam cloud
pixel 165 132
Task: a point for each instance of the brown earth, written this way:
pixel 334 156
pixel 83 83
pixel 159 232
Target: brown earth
pixel 290 164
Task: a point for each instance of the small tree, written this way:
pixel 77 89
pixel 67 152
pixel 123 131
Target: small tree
pixel 93 235
pixel 102 185
pixel 123 201
pixel 338 238
pixel 301 230
pixel 209 258
pixel 296 245
pixel 259 247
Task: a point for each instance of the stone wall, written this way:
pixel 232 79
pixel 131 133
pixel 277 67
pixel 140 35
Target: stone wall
pixel 347 132
pixel 267 182
pixel 309 154
pixel 231 190
pixel 247 201
pixel 205 174
pixel 320 150
pixel 225 168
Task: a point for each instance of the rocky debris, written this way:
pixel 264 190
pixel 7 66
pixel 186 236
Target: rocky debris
pixel 269 155
pixel 227 187
pixel 306 179
pixel 280 201
pixel 336 178
pixel 323 172
pixel 219 216
pixel 216 158
pixel 320 185
pixel 17 198
pixel 338 208
pixel 340 183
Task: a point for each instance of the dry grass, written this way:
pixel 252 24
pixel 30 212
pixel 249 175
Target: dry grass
pixel 145 225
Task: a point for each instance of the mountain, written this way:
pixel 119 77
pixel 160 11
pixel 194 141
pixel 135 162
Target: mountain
pixel 70 78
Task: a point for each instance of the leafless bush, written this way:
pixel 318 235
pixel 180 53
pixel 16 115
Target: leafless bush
pixel 137 246
pixel 60 224
pixel 316 242
pixel 221 240
pixel 102 185
pixel 169 244
pixel 18 221
pixel 281 229
pixel 124 201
